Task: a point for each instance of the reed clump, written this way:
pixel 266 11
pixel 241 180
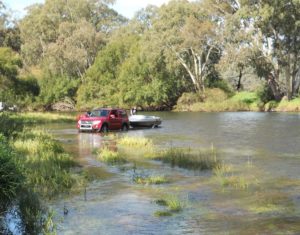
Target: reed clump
pixel 110 157
pixel 185 158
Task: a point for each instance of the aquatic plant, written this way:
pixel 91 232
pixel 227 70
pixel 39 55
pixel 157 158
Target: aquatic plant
pixel 110 157
pixel 162 213
pixel 150 179
pixel 173 204
pixel 185 158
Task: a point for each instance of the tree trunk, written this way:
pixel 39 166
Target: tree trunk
pixel 288 80
pixel 274 87
pixel 239 85
pixel 296 83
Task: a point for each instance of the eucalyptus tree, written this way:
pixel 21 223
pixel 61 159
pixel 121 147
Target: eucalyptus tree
pixel 44 23
pixel 186 31
pixel 63 37
pixel 276 30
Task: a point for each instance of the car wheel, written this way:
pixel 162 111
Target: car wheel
pixel 104 128
pixel 124 127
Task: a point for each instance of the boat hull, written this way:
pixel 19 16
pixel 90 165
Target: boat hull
pixel 144 121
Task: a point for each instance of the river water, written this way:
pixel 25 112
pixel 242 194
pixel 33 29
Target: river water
pixel 263 148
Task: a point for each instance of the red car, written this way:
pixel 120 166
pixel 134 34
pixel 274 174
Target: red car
pixel 103 119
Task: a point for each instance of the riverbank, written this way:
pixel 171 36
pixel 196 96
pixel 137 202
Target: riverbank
pixel 216 100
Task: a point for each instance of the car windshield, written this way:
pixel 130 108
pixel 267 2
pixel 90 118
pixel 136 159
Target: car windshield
pixel 99 113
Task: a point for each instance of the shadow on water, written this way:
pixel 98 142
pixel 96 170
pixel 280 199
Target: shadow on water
pixel 259 194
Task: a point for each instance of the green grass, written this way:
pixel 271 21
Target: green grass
pixel 110 157
pixel 245 97
pixel 185 158
pixel 150 180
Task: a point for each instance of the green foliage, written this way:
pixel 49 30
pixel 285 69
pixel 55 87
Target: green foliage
pixel 14 90
pixel 9 64
pixel 100 82
pixel 11 178
pixel 55 89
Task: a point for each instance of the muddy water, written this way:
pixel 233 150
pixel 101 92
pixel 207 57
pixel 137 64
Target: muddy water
pixel 262 147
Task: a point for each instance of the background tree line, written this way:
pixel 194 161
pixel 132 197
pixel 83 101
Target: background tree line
pixel 85 53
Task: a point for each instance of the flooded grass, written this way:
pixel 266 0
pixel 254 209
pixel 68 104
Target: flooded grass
pixel 150 179
pixel 173 204
pixel 110 156
pixel 136 142
pixel 271 202
pixel 185 158
pixel 240 178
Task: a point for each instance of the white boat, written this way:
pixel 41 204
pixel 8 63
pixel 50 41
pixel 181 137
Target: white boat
pixel 144 121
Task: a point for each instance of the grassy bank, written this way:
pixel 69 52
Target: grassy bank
pixel 216 100
pixel 45 117
pixel 33 168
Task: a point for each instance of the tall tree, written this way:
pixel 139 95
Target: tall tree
pixel 189 33
pixel 44 22
pixel 274 26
